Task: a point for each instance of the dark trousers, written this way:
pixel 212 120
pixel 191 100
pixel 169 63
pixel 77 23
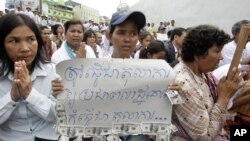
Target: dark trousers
pixel 39 139
pixel 83 139
pixel 71 139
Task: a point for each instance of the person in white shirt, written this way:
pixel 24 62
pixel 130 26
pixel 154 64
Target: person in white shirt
pixel 29 13
pixel 19 10
pixel 37 18
pixel 162 35
pixel 44 20
pixel 145 38
pixel 106 47
pixel 89 38
pixel 72 47
pixel 124 34
pixel 172 25
pixel 229 49
pixel 27 108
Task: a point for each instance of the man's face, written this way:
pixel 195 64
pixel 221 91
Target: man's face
pixel 124 39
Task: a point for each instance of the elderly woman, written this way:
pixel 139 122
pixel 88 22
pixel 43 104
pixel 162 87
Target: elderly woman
pixel 202 115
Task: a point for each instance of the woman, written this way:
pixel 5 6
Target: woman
pixel 155 50
pixel 89 38
pixel 202 115
pixel 73 47
pixel 145 38
pixel 49 46
pixel 57 34
pixel 26 105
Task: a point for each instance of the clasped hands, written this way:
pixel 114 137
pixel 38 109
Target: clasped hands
pixel 21 84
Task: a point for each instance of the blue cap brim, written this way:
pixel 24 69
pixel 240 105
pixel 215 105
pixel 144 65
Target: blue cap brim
pixel 137 16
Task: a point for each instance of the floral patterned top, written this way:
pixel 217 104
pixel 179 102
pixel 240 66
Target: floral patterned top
pixel 200 117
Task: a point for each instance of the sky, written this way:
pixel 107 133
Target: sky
pixel 2 5
pixel 105 7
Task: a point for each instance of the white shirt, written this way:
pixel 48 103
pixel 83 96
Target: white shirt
pixel 137 54
pixel 34 116
pixel 44 22
pixel 162 36
pixel 30 14
pixel 221 72
pixel 100 51
pixel 37 19
pixel 228 52
pixel 61 54
pixel 106 45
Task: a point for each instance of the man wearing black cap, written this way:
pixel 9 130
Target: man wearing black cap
pixel 124 34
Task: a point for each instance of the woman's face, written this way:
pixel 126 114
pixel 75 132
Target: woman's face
pixel 74 35
pixel 21 44
pixel 180 39
pixel 59 30
pixel 159 55
pixel 124 39
pixel 91 39
pixel 211 60
pixel 45 34
pixel 146 41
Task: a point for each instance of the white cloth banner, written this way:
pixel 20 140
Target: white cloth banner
pixel 103 92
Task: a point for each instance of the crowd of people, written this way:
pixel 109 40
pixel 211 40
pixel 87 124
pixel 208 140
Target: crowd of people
pixel 29 52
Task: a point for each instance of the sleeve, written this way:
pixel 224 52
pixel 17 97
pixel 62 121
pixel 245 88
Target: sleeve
pixel 195 118
pixel 56 58
pixel 7 106
pixel 89 52
pixel 53 46
pixel 227 55
pixel 41 105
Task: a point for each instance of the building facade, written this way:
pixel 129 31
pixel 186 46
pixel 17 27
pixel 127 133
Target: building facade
pixel 83 12
pixel 13 4
pixel 53 9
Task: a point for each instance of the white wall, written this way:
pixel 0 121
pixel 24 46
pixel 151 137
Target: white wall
pixel 222 13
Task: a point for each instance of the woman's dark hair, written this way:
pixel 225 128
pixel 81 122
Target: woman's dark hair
pixel 54 28
pixel 144 35
pixel 72 22
pixel 9 22
pixel 200 39
pixel 88 34
pixel 154 47
pixel 176 31
pixel 42 27
pixel 236 27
